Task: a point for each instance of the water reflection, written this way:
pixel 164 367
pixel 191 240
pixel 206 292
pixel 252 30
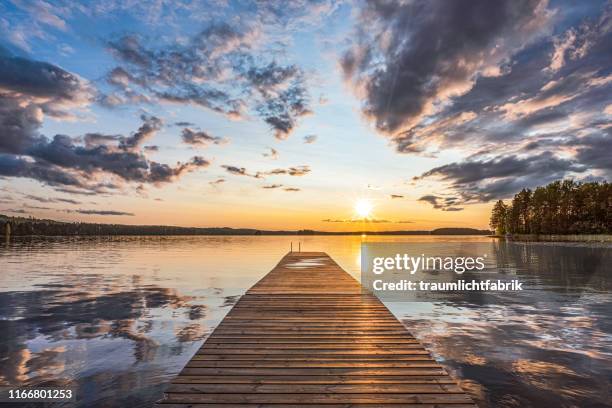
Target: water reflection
pixel 118 317
pixel 549 346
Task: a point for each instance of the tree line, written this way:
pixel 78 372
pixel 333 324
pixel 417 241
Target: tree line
pixel 21 226
pixel 561 207
pixel 28 226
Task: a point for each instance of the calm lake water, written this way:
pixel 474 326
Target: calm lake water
pixel 117 318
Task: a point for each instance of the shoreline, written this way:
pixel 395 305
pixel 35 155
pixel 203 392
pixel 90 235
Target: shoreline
pixel 20 226
pixel 319 234
pixel 555 237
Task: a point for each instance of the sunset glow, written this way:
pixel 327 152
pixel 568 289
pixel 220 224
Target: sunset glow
pixel 255 115
pixel 363 208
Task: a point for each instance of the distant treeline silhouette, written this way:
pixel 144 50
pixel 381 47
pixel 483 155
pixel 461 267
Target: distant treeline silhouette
pixel 24 226
pixel 561 207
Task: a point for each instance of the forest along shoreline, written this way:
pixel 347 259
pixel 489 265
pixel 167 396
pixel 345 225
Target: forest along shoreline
pixel 555 238
pixel 562 211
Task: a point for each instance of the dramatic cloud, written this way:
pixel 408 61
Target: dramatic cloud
pixel 217 69
pixel 594 151
pixel 162 173
pixel 284 95
pixel 272 186
pixel 200 138
pixel 150 125
pixel 49 87
pixel 505 95
pixel 444 204
pixel 416 55
pixel 16 166
pixel 62 162
pixel 292 189
pixel 488 80
pixel 499 177
pixel 575 43
pixel 29 90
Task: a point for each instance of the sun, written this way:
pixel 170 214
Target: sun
pixel 363 208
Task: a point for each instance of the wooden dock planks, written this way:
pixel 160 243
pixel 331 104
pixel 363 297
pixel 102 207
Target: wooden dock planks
pixel 305 335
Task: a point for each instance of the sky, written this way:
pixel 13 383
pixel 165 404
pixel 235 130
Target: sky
pixel 369 115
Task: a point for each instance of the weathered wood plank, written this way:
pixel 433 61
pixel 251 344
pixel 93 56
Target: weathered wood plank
pixel 312 371
pixel 312 379
pixel 309 364
pixel 342 405
pixel 325 398
pixel 315 388
pixel 285 357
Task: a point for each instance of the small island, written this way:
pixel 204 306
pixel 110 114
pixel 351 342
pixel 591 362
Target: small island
pixel 564 210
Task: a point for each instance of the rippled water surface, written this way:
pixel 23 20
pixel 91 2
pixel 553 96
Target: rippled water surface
pixel 117 318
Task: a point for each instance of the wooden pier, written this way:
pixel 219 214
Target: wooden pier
pixel 305 335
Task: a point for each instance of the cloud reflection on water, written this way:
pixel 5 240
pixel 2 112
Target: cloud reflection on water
pixel 549 346
pixel 119 317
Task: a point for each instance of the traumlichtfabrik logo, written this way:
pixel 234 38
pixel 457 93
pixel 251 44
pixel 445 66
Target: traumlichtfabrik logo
pixel 435 270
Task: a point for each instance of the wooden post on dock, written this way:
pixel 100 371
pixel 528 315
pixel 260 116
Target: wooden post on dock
pixel 306 335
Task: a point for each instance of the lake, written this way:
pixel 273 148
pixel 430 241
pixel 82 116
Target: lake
pixel 117 318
